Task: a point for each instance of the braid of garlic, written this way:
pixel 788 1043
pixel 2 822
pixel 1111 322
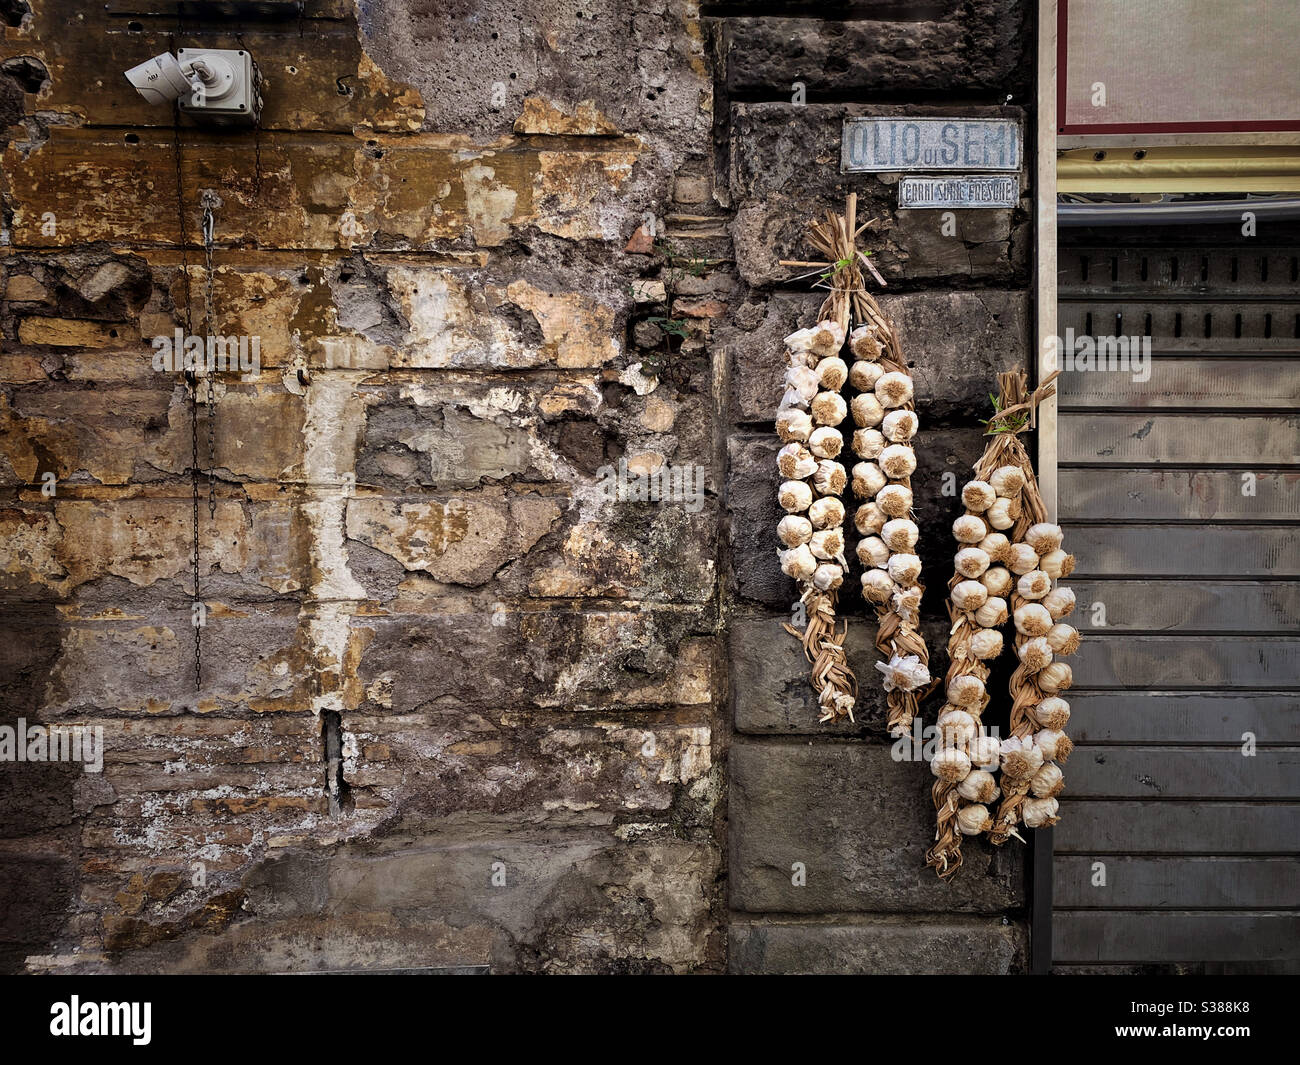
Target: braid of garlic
pixel 974 640
pixel 1021 758
pixel 884 411
pixel 812 530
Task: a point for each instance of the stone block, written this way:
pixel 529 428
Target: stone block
pixel 860 823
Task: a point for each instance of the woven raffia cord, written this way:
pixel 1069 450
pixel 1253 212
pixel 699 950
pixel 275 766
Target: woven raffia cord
pixel 897 637
pixel 963 795
pixel 945 856
pixel 822 637
pixel 877 350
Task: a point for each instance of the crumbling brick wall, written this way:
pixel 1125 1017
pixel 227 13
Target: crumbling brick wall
pixel 456 705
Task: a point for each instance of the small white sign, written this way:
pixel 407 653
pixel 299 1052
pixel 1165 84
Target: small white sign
pixel 879 144
pixel 964 192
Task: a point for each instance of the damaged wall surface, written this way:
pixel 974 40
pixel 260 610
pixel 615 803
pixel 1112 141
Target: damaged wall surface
pixel 458 704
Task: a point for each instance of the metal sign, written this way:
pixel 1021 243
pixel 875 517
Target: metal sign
pixel 966 191
pixel 873 145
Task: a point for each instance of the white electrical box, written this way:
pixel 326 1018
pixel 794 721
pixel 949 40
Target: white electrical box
pixel 229 85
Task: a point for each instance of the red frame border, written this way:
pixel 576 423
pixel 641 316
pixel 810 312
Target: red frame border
pixel 1062 128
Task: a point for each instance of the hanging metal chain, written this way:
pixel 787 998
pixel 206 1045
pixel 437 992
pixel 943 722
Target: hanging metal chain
pixel 209 201
pixel 192 387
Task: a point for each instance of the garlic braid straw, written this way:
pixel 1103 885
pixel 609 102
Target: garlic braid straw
pixel 812 530
pixel 1019 499
pixel 976 612
pixel 894 584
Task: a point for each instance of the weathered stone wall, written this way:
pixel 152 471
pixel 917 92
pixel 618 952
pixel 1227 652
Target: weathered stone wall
pixel 412 566
pixel 457 707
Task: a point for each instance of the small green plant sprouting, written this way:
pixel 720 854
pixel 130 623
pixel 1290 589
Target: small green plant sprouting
pixel 1004 425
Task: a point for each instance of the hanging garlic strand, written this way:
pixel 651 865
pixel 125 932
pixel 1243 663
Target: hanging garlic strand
pixel 966 656
pixel 1022 756
pixel 810 414
pixel 884 412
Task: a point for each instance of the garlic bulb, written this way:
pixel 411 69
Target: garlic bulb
pixel 1044 537
pixel 903 673
pixel 1055 744
pixel 900 534
pixel 876 586
pixel 970 562
pixel 978 496
pixel 869 519
pixel 794 496
pixel 862 342
pixel 795 462
pixel 1003 513
pixel 998 581
pixel 1032 619
pixel 829 408
pixel 978 787
pixel 793 424
pixel 1035 654
pixel 800 340
pixel 873 552
pixel 827 577
pixel 825 442
pixel 1034 585
pixel 868 479
pixel 830 478
pixel 969 529
pixel 985 751
pixel 798 562
pixel 1051 713
pixel 1048 781
pixel 956 729
pixel 894 389
pixel 863 375
pixel 791 400
pixel 898 461
pixel 1064 639
pixel 1057 564
pixel 993 614
pixel 950 765
pixel 895 500
pixel 1038 813
pixel 987 643
pixel 1059 602
pixel 1020 758
pixel 996 546
pixel 803 380
pixel 868 443
pixel 1022 558
pixel 867 411
pixel 793 530
pixel 827 338
pixel 832 373
pixel 966 690
pixel 973 819
pixel 906 602
pixel 1055 678
pixel 968 595
pixel 827 544
pixel 904 569
pixel 826 513
pixel 1007 480
pixel 900 425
